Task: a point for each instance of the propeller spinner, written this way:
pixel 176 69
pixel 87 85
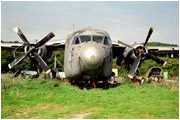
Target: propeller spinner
pixel 32 49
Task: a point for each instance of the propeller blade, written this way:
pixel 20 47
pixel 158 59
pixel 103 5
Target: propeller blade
pixel 41 63
pixel 16 61
pixel 135 66
pixel 118 41
pixel 45 39
pixel 21 35
pixel 149 35
pixel 158 60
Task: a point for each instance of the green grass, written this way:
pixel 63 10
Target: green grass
pixel 39 98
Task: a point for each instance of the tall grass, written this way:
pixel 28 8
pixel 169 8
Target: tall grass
pixel 52 99
pixel 171 85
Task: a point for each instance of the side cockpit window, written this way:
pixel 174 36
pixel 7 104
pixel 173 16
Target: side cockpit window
pixel 106 41
pixel 76 40
pixel 85 38
pixel 98 39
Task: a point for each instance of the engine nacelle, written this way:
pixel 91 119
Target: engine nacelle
pixel 42 51
pixel 131 53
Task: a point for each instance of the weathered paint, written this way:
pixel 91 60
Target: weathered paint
pixel 88 59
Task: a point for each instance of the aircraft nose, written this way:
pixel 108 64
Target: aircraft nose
pixel 92 56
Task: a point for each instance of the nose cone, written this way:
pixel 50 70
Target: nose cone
pixel 92 56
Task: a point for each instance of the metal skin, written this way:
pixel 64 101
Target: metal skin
pixel 90 59
pixel 42 51
pixel 129 53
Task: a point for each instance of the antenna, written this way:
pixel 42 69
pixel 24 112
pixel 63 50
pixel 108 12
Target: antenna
pixel 55 62
pixel 73 26
pixel 89 26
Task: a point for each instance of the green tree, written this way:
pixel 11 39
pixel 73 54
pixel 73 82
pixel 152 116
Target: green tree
pixel 159 44
pixel 6 58
pixel 9 41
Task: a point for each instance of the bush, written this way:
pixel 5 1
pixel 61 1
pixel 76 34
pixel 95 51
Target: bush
pixel 6 58
pixel 172 66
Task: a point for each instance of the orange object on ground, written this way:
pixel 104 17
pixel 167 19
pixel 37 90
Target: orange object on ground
pixel 137 83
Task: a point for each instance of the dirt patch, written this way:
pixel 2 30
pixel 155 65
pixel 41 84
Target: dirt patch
pixel 43 107
pixel 79 116
pixel 17 115
pixel 50 106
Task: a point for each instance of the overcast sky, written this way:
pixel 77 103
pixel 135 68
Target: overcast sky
pixel 126 21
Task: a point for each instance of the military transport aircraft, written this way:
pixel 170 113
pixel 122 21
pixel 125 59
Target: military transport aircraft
pixel 88 54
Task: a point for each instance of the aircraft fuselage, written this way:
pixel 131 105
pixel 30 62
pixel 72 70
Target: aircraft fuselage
pixel 88 53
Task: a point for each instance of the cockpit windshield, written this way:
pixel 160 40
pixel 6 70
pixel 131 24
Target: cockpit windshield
pixel 98 39
pixel 85 38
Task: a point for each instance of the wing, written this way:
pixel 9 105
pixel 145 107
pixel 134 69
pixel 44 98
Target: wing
pixel 163 50
pixel 118 49
pixel 56 45
pixel 11 46
pixel 50 45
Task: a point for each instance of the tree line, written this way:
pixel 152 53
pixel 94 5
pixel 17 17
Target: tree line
pixel 172 66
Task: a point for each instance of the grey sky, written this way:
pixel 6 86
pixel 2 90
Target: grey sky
pixel 126 21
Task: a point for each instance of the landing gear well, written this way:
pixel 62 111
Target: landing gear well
pixel 86 85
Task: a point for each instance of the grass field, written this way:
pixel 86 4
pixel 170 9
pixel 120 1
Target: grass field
pixel 52 99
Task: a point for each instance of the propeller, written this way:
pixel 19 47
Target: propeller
pixel 16 61
pixel 118 41
pixel 149 35
pixel 135 65
pixel 21 35
pixel 32 50
pixel 41 63
pixel 140 53
pixel 160 61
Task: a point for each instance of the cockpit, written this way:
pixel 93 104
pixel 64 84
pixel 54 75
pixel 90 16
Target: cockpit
pixel 86 38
